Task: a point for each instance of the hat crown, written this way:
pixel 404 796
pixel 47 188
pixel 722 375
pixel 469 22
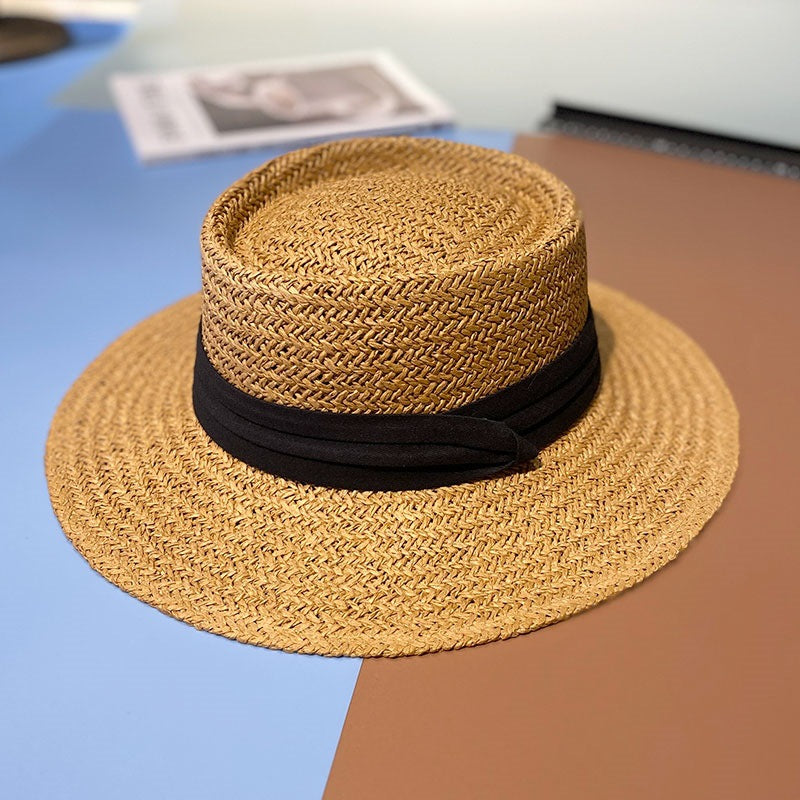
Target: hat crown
pixel 391 275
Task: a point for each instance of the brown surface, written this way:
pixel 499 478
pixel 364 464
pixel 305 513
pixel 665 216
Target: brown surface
pixel 686 685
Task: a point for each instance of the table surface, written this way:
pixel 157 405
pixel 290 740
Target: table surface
pixel 103 696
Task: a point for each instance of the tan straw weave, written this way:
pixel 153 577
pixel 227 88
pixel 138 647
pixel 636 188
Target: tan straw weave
pixel 389 275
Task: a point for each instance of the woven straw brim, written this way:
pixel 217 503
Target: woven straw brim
pixel 165 514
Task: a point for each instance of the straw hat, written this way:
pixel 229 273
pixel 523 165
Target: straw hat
pixel 399 439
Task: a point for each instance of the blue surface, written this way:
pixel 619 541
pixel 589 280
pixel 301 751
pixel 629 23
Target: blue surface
pixel 102 696
pixel 26 86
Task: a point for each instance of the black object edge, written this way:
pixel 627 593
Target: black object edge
pixel 673 140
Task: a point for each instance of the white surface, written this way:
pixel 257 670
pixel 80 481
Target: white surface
pixel 100 10
pixel 726 65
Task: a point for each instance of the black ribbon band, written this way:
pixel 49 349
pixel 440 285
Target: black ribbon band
pixel 390 452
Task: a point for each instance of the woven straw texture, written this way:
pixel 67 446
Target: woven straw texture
pixel 391 275
pixel 167 515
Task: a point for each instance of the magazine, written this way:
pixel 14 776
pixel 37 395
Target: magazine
pixel 190 112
